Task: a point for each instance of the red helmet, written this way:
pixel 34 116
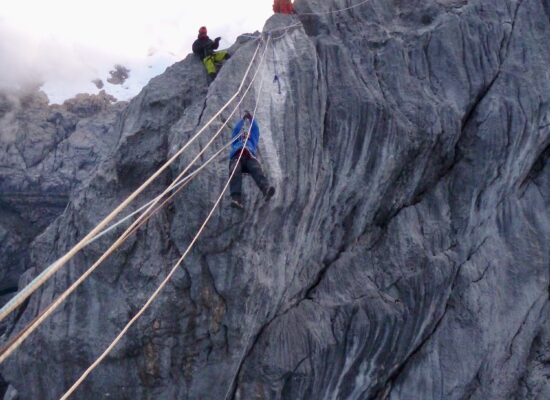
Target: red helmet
pixel 202 30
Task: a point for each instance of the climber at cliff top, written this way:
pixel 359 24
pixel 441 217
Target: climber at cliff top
pixel 248 162
pixel 204 48
pixel 283 7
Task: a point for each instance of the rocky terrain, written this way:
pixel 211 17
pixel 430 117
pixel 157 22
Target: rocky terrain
pixel 404 256
pixel 45 153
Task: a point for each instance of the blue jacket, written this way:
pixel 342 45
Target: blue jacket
pixel 251 144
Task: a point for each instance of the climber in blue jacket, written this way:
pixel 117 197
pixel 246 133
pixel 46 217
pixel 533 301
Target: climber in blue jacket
pixel 248 162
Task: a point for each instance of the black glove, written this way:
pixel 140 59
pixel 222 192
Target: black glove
pixel 217 39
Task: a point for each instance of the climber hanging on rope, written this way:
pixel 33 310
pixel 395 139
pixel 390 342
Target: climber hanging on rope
pixel 283 7
pixel 204 48
pixel 248 162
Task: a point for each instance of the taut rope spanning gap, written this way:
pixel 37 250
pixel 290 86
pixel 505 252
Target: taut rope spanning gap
pixel 37 282
pixel 25 333
pixel 336 11
pixel 174 268
pixel 175 185
pixel 179 184
pixel 185 182
pixel 143 207
pixel 286 28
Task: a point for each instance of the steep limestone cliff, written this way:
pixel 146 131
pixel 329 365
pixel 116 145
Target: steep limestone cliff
pixel 404 256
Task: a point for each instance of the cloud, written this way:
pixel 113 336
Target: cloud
pixel 67 44
pixel 27 60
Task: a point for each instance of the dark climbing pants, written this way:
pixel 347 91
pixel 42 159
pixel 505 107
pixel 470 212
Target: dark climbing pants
pixel 250 166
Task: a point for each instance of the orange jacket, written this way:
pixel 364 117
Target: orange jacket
pixel 283 6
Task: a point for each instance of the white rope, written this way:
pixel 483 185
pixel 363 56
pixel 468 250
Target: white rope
pixel 37 282
pixel 255 314
pixel 172 272
pixel 175 185
pixel 268 33
pixel 286 31
pixel 335 11
pixel 25 333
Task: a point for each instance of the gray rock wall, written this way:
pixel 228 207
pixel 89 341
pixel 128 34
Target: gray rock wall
pixel 404 256
pixel 45 152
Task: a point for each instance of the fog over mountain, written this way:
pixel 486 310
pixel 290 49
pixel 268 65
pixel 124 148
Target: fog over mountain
pixel 65 45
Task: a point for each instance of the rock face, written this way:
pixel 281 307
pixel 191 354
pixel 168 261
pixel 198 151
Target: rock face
pixel 45 152
pixel 404 256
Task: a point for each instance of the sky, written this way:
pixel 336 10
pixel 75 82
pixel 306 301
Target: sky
pixel 68 43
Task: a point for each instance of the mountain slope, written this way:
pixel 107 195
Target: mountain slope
pixel 404 256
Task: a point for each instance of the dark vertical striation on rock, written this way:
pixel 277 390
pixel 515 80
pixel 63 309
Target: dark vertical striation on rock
pixel 546 5
pixel 404 256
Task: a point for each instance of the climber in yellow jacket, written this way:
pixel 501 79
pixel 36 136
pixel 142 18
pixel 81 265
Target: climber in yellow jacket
pixel 204 48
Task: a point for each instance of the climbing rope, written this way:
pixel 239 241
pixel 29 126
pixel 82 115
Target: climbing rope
pixel 97 232
pixel 176 185
pixel 179 186
pixel 175 267
pixel 16 341
pixel 285 30
pixel 37 282
pixel 336 11
pixel 25 333
pixel 270 33
pixel 288 27
pixel 185 181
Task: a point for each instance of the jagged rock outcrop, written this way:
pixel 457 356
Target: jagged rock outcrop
pixel 45 152
pixel 404 256
pixel 85 105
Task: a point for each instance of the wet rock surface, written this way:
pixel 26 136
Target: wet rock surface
pixel 404 256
